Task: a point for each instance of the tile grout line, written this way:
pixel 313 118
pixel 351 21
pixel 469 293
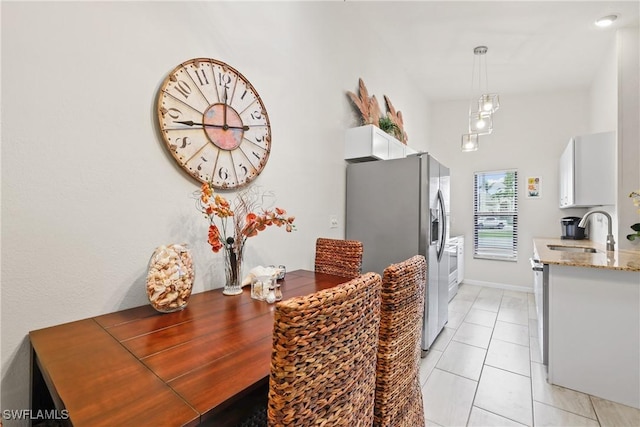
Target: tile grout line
pixel 475 393
pixel 504 370
pixel 594 410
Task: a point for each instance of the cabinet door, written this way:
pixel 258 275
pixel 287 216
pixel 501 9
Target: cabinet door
pixel 366 143
pixel 396 149
pixel 594 159
pixel 587 171
pixel 566 175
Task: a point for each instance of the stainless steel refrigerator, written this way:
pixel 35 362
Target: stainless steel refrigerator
pixel 400 208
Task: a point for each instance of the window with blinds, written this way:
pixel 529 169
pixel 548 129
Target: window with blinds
pixel 495 215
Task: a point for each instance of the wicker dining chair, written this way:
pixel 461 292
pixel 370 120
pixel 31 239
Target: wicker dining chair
pixel 339 257
pixel 398 400
pixel 324 356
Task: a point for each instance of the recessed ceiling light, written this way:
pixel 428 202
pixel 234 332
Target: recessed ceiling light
pixel 605 21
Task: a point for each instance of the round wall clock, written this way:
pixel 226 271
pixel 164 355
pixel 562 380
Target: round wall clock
pixel 214 123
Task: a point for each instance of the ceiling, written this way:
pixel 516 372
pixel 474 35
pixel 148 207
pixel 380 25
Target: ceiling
pixel 533 46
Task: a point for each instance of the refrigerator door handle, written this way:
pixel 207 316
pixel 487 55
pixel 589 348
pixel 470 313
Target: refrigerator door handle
pixel 443 234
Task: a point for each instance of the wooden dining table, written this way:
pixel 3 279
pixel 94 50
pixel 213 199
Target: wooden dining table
pixel 139 367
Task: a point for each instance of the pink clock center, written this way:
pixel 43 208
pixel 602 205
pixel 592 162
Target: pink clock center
pixel 226 139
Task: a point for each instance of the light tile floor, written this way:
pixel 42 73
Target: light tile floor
pixel 484 369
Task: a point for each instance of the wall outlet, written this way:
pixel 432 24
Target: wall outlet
pixel 333 221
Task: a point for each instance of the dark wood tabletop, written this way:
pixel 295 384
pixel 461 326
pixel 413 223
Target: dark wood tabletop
pixel 140 367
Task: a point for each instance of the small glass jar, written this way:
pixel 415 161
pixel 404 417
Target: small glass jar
pixel 170 277
pixel 260 287
pixel 282 272
pixel 271 293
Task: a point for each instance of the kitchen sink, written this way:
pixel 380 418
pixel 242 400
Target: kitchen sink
pixel 571 249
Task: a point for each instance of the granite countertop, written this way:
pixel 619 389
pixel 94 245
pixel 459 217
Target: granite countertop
pixel 614 260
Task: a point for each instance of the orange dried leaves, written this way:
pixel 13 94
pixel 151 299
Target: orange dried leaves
pixel 247 223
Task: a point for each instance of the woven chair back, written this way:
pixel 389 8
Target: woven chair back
pixel 339 257
pixel 324 356
pixel 398 401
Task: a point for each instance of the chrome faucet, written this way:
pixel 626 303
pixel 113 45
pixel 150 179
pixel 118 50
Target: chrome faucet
pixel 610 241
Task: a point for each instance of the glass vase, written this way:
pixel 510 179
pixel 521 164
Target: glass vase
pixel 170 277
pixel 233 271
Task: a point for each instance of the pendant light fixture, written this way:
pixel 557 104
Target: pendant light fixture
pixel 482 104
pixel 469 142
pixel 481 122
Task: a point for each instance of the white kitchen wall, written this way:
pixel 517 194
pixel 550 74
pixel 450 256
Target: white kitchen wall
pixel 603 118
pixel 530 132
pixel 615 106
pixel 88 188
pixel 628 48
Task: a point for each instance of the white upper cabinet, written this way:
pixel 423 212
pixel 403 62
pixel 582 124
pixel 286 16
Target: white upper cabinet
pixel 369 142
pixel 588 171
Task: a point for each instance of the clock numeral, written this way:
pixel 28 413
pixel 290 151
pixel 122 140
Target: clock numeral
pixel 203 80
pixel 256 154
pixel 243 94
pixel 185 141
pixel 200 164
pixel 183 88
pixel 244 169
pixel 260 138
pixel 256 115
pixel 224 80
pixel 174 113
pixel 223 173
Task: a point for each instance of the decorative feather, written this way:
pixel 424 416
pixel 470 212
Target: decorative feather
pixel 370 111
pixel 362 102
pixel 396 118
pixel 374 111
pixel 390 107
pixel 405 137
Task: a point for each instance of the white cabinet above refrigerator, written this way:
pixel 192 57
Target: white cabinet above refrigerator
pixel 588 172
pixel 369 142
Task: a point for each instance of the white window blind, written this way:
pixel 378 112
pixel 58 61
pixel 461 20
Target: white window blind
pixel 495 205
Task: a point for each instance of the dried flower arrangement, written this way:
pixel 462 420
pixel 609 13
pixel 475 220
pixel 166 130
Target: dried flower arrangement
pixel 370 113
pixel 248 216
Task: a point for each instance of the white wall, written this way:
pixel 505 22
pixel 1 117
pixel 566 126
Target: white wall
pixel 88 188
pixel 615 106
pixel 628 132
pixel 603 118
pixel 530 132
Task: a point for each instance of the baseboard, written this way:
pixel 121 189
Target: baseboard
pixel 497 285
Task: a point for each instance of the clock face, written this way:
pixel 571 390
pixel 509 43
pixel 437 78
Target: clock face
pixel 214 123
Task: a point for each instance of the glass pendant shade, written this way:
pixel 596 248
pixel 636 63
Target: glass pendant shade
pixel 489 102
pixel 480 122
pixel 469 142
